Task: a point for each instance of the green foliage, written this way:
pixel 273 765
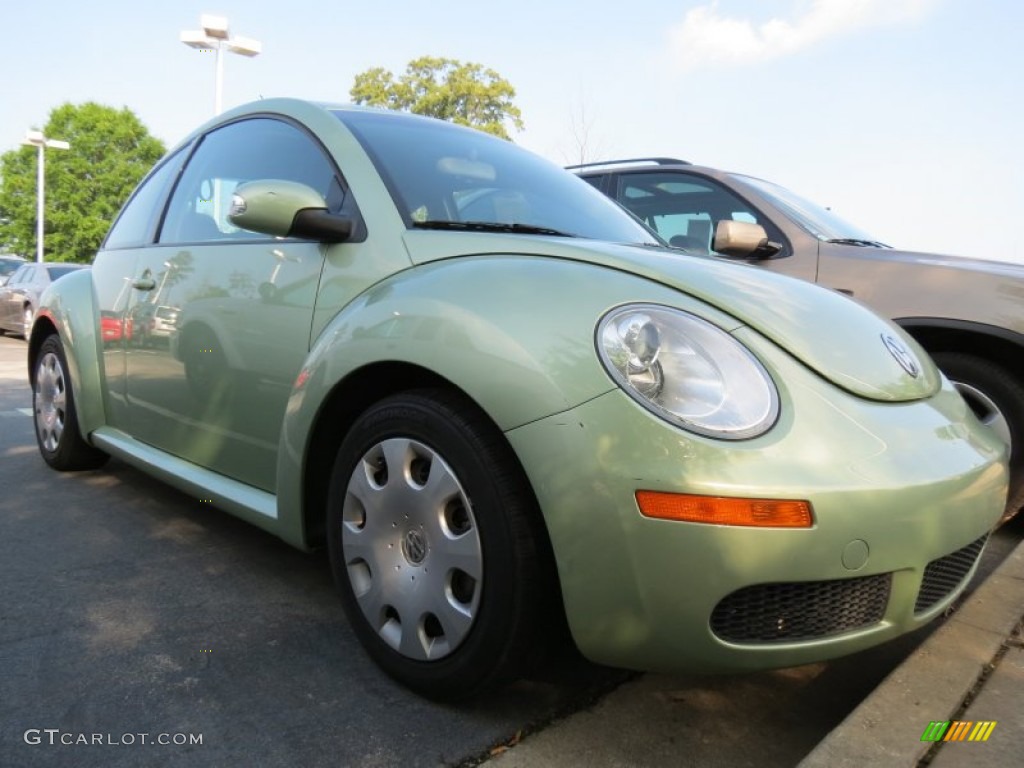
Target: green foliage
pixel 111 150
pixel 464 93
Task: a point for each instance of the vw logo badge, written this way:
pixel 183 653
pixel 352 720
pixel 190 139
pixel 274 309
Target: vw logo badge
pixel 903 355
pixel 415 546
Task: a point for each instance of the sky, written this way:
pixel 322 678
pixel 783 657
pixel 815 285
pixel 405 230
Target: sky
pixel 905 117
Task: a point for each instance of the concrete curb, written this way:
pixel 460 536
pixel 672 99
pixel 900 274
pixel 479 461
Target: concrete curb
pixel 933 683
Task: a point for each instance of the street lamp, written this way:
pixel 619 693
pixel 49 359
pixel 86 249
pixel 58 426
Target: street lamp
pixel 214 37
pixel 36 139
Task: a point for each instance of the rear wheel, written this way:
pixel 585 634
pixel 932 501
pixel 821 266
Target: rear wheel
pixel 434 546
pixel 56 421
pixel 997 399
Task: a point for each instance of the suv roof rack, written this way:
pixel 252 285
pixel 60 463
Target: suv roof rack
pixel 655 160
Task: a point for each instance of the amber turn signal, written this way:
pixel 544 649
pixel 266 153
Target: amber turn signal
pixel 720 510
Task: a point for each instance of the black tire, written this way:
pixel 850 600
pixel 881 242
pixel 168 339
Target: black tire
pixel 56 420
pixel 997 398
pixel 474 622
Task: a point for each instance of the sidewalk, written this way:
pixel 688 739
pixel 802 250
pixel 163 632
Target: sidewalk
pixel 970 669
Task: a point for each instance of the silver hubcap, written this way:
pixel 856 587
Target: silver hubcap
pixel 51 401
pixel 985 409
pixel 412 549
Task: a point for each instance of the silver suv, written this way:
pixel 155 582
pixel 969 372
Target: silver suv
pixel 969 314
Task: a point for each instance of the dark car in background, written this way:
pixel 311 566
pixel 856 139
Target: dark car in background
pixel 19 297
pixel 967 313
pixel 9 264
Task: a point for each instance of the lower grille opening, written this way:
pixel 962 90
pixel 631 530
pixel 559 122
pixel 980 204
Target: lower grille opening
pixel 805 610
pixel 944 575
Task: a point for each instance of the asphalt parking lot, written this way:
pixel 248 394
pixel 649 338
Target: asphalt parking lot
pixel 128 608
pixel 132 615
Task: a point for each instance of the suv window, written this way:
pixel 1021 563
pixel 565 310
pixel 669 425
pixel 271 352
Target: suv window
pixel 684 208
pixel 260 148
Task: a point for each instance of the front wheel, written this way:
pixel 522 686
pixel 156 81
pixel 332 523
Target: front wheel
pixel 435 545
pixel 56 421
pixel 997 399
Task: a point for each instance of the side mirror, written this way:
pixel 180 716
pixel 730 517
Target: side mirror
pixel 740 239
pixel 286 209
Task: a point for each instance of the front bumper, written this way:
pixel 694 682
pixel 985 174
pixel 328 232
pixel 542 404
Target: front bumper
pixel 894 488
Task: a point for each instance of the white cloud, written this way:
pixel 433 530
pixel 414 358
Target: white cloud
pixel 706 38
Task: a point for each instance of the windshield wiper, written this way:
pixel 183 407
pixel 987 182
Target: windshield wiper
pixel 488 226
pixel 856 241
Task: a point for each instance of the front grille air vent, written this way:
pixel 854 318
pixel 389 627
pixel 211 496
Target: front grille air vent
pixel 944 575
pixel 805 610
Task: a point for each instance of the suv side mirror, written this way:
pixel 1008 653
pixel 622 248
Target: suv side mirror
pixel 286 209
pixel 740 239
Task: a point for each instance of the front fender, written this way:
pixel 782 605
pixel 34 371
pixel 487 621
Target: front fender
pixel 514 333
pixel 69 307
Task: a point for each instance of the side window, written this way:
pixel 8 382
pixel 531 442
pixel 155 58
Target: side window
pixel 594 181
pixel 259 148
pixel 683 208
pixel 137 221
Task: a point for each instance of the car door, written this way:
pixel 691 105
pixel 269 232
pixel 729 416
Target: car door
pixel 221 317
pixel 6 291
pixel 113 278
pixel 14 296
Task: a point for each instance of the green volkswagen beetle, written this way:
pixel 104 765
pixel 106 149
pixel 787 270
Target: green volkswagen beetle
pixel 503 406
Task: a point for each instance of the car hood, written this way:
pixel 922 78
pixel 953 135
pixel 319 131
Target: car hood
pixel 835 336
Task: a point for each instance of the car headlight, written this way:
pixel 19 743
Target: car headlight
pixel 687 371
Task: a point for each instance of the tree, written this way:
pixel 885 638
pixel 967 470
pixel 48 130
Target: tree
pixel 111 150
pixel 463 93
pixel 585 148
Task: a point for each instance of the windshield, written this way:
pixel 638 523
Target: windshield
pixel 444 176
pixel 820 222
pixel 8 267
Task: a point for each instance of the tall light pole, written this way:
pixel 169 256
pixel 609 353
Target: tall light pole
pixel 214 37
pixel 36 139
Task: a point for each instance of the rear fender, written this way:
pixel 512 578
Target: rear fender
pixel 68 307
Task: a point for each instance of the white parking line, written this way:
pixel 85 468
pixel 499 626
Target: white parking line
pixel 16 413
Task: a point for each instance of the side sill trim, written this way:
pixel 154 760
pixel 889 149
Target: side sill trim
pixel 241 500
